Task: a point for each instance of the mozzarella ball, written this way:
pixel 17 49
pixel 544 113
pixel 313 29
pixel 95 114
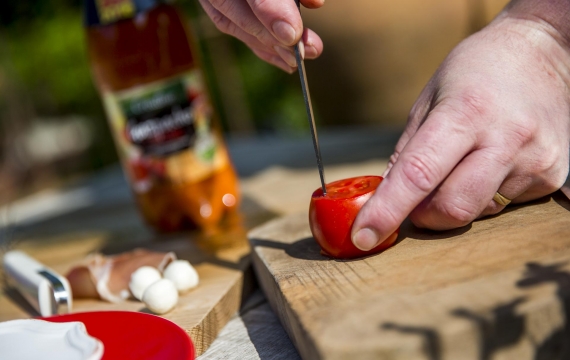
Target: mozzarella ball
pixel 161 296
pixel 142 278
pixel 182 274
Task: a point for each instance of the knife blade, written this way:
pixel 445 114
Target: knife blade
pixel 309 108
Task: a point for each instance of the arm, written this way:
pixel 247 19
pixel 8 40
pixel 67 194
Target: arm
pixel 495 117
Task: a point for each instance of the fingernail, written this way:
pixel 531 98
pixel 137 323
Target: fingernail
pixel 284 32
pixel 365 239
pixel 286 55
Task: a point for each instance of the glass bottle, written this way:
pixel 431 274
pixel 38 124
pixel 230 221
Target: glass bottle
pixel 163 124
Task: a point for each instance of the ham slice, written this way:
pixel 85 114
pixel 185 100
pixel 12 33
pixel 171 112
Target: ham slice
pixel 107 277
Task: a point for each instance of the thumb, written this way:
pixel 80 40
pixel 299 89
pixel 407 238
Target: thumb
pixel 426 160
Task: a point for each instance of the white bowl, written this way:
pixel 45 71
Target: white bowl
pixel 38 339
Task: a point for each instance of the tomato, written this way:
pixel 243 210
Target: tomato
pixel 331 216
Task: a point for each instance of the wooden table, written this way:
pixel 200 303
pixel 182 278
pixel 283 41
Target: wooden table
pixel 99 215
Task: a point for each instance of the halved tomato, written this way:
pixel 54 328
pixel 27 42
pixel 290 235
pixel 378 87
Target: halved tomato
pixel 331 216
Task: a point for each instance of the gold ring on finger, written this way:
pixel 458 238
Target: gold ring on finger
pixel 501 199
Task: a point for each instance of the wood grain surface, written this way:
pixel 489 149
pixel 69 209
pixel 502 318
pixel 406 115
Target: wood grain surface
pixel 496 289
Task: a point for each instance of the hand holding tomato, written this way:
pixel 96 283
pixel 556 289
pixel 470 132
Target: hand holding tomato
pixel 331 216
pixel 495 117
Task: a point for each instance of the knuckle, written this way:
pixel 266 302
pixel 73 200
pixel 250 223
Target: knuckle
pixel 471 105
pixel 475 103
pixel 554 177
pixel 443 216
pixel 223 23
pixel 549 168
pixel 458 214
pixel 380 217
pixel 522 131
pixel 220 4
pixel 546 163
pixel 257 31
pixel 420 173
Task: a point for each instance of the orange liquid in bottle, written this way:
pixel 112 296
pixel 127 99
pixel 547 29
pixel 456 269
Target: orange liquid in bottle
pixel 157 105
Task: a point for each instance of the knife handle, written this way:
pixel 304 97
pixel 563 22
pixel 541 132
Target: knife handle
pixel 47 291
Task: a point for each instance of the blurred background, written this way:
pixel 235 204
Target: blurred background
pixel 378 56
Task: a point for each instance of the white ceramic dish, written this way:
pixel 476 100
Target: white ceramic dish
pixel 38 339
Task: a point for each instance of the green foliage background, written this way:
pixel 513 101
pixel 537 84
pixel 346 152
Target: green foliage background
pixel 43 64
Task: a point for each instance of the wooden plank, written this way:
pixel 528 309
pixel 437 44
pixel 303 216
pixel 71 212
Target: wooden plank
pixel 222 262
pixel 496 289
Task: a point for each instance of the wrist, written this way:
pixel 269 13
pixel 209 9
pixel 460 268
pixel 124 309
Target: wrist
pixel 552 15
pixel 543 26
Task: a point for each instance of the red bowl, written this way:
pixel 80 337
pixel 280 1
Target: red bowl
pixel 128 335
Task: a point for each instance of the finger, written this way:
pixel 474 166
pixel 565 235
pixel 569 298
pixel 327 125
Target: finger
pixel 533 178
pixel 311 50
pixel 428 158
pixel 274 59
pixel 313 44
pixel 287 56
pixel 251 41
pixel 549 172
pixel 512 189
pixel 416 118
pixel 468 191
pixel 229 16
pixel 536 188
pixel 281 17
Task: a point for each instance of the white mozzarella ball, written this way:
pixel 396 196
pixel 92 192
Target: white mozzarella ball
pixel 161 296
pixel 142 278
pixel 182 274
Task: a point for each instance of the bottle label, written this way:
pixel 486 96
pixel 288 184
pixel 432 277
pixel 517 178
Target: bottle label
pixel 163 131
pixel 159 121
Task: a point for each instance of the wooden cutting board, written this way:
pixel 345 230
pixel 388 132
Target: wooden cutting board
pixel 496 289
pixel 222 262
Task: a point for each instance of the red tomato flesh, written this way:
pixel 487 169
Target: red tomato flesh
pixel 331 216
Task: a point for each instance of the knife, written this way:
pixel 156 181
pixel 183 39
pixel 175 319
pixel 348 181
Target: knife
pixel 309 108
pixel 46 290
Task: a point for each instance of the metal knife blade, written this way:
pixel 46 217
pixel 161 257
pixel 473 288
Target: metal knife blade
pixel 309 108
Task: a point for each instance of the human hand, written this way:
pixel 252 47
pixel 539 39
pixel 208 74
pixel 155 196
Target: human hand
pixel 269 28
pixel 494 117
